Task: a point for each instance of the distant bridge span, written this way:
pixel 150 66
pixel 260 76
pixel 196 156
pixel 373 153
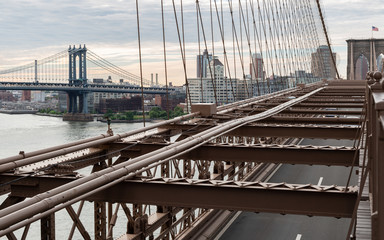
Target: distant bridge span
pixel 83 88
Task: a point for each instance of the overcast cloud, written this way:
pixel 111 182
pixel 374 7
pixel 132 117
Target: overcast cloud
pixel 34 29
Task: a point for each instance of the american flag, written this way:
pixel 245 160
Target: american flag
pixel 375 28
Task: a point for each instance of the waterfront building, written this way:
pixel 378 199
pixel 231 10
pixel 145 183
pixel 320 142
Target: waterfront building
pixel 26 96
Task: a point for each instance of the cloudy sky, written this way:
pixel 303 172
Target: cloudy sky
pixel 34 29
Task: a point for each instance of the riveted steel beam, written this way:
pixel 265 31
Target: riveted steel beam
pixel 307 111
pixel 255 197
pixel 313 120
pixel 317 105
pixel 282 130
pixel 292 154
pixel 283 198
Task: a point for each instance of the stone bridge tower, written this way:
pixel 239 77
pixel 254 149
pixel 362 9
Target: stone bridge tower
pixel 370 48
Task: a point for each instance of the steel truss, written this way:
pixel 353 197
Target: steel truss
pixel 166 188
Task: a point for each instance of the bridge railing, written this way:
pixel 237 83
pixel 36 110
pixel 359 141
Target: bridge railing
pixel 375 163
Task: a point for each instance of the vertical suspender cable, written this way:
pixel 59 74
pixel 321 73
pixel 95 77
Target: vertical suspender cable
pixel 165 58
pixel 183 49
pixel 206 46
pixel 238 46
pixel 213 49
pixel 183 57
pixel 201 57
pixel 256 38
pixel 225 65
pixel 225 52
pixel 141 66
pixel 249 47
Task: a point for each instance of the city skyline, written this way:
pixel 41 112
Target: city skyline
pixel 34 29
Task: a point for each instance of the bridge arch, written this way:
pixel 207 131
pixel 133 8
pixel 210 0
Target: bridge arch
pixel 371 48
pixel 361 67
pixel 380 62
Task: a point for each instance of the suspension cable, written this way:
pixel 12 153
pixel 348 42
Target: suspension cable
pixel 141 66
pixel 326 37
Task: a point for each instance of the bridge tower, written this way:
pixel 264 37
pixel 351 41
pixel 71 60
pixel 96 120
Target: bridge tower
pixel 77 100
pixel 370 49
pixel 81 54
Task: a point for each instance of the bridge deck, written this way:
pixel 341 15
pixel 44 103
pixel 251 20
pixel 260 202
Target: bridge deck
pixel 363 224
pixel 207 164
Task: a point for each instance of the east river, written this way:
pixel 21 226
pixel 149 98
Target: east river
pixel 32 132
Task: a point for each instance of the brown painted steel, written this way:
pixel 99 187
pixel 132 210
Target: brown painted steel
pixel 108 185
pixel 234 197
pixel 261 153
pixel 336 101
pixel 111 176
pixel 314 120
pixel 318 105
pixel 78 223
pixel 294 131
pixel 377 171
pixel 307 111
pixel 242 196
pixel 297 131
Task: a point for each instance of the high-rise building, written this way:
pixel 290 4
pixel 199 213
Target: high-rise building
pixel 202 62
pixel 256 70
pixel 202 90
pixel 216 68
pixel 322 65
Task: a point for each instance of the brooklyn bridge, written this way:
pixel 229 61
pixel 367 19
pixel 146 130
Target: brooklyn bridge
pixel 253 157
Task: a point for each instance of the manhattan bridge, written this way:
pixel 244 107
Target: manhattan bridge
pixel 292 149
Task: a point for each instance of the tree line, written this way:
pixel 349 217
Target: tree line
pixel 154 113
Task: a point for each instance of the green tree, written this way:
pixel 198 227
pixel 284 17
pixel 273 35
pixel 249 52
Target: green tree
pixel 109 113
pixel 136 113
pixel 157 113
pixel 177 111
pixel 129 115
